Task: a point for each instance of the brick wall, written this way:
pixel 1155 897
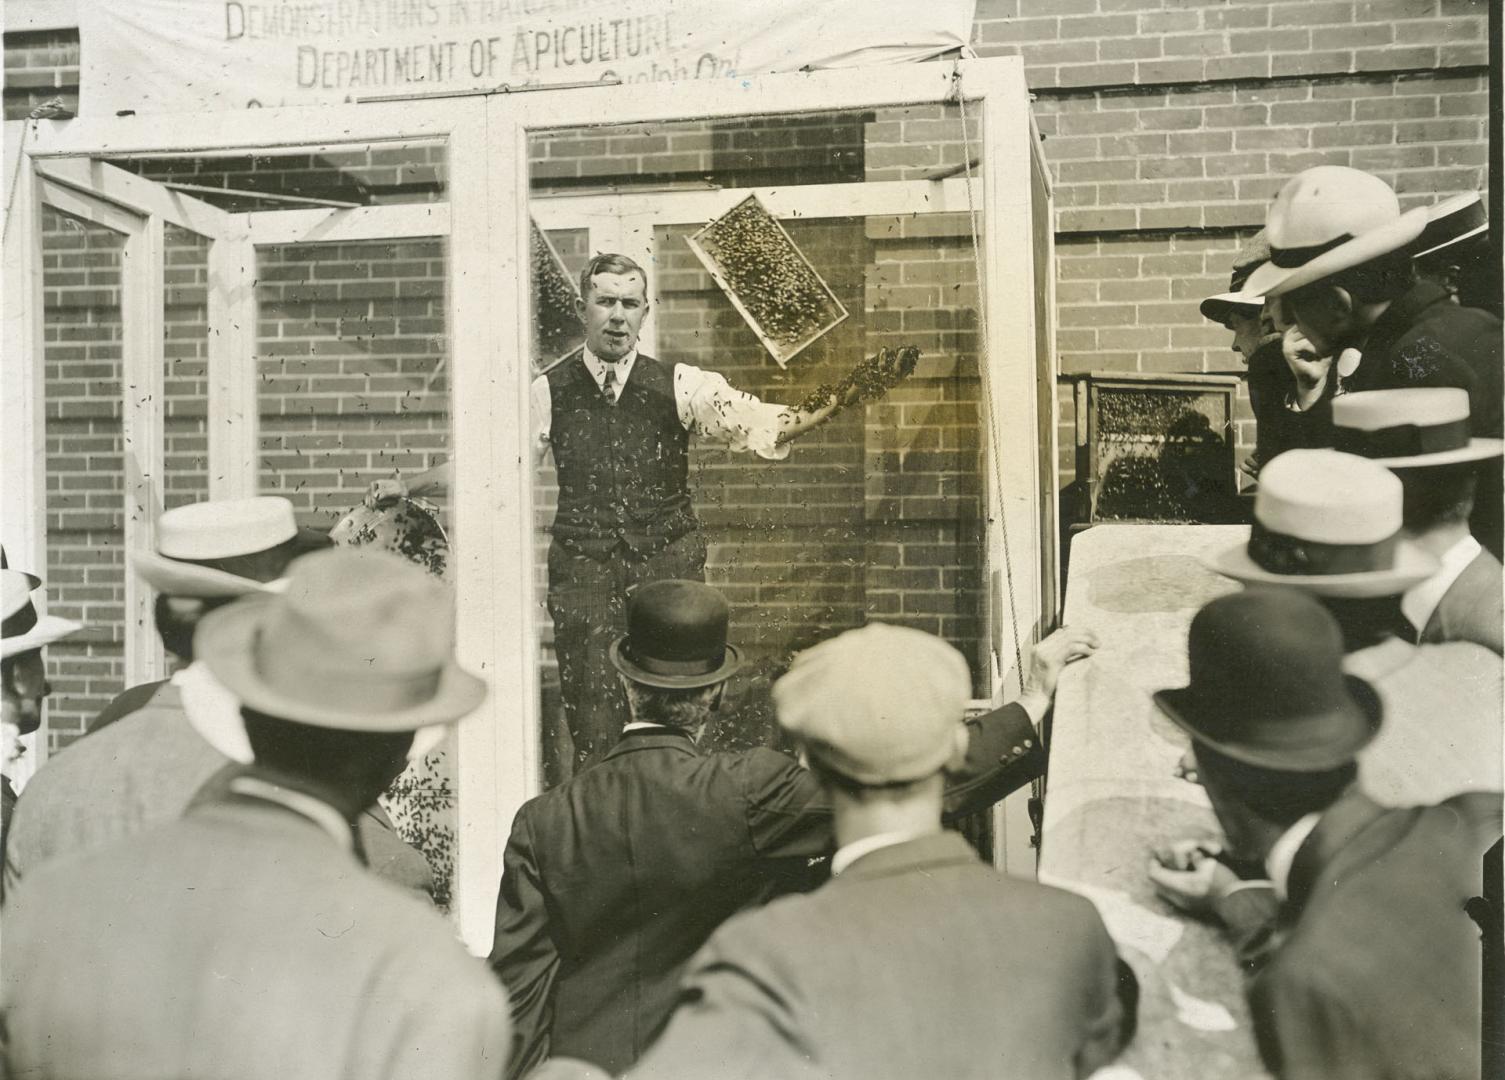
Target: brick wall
pixel 85 468
pixel 1169 124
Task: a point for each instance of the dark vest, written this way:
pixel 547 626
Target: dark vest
pixel 624 468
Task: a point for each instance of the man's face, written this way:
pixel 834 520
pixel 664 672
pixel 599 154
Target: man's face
pixel 21 693
pixel 613 310
pixel 1324 315
pixel 1247 331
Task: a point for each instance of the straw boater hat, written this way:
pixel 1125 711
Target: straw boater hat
pixel 1410 428
pixel 879 705
pixel 1267 684
pixel 221 529
pixel 1450 222
pixel 1327 523
pixel 359 641
pixel 23 630
pixel 1332 218
pixel 676 637
pixel 1240 299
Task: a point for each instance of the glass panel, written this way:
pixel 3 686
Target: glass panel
pixel 85 468
pixel 875 515
pixel 352 369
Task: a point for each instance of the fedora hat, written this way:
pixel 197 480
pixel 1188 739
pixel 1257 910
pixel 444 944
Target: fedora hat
pixel 676 636
pixel 1327 523
pixel 1410 427
pixel 879 705
pixel 1267 685
pixel 190 536
pixel 1331 218
pixel 21 629
pixel 359 641
pixel 1239 298
pixel 1450 222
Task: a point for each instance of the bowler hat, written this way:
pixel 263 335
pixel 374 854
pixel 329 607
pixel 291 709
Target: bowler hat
pixel 1267 684
pixel 1331 218
pixel 359 641
pixel 676 636
pixel 1327 523
pixel 1410 427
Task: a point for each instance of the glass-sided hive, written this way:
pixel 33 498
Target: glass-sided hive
pixel 767 279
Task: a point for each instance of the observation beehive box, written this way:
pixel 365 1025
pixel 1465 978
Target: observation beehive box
pixel 767 279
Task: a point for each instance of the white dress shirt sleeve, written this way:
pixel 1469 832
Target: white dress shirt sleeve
pixel 542 409
pixel 713 409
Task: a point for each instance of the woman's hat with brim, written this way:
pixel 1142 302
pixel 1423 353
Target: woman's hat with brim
pixel 1267 685
pixel 1327 523
pixel 24 630
pixel 1331 218
pixel 359 641
pixel 676 637
pixel 1450 222
pixel 1240 298
pixel 1411 427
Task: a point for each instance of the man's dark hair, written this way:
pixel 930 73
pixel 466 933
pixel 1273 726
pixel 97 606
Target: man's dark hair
pixel 178 617
pixel 361 762
pixel 608 263
pixel 672 707
pixel 1438 495
pixel 1384 278
pixel 1278 797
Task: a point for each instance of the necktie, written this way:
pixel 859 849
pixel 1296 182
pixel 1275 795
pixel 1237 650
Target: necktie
pixel 609 385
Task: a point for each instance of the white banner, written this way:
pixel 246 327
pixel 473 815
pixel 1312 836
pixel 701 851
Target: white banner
pixel 181 55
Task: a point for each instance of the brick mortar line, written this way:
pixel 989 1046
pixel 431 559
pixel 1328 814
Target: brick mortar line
pixel 1256 82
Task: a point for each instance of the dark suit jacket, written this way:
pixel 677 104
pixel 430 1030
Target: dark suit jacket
pixel 141 771
pixel 240 940
pixel 1425 339
pixel 1470 610
pixel 1375 971
pixel 917 961
pixel 612 881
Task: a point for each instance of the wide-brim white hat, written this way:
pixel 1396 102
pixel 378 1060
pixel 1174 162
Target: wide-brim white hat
pixel 1410 427
pixel 1343 217
pixel 361 640
pixel 1450 222
pixel 173 577
pixel 1412 566
pixel 16 588
pixel 1217 308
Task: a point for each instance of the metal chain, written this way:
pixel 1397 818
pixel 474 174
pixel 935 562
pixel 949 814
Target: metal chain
pixel 991 410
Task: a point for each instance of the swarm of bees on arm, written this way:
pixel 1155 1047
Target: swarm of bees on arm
pixel 869 380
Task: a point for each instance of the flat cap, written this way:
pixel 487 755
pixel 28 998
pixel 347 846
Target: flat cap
pixel 879 705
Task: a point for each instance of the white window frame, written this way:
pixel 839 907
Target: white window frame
pixel 490 340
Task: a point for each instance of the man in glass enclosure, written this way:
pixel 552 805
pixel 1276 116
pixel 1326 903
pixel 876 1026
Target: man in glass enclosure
pixel 619 423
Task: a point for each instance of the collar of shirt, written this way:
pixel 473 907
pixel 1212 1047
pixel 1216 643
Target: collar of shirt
pixel 319 812
pixel 597 367
pixel 646 725
pixel 847 854
pixel 1283 852
pixel 1418 603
